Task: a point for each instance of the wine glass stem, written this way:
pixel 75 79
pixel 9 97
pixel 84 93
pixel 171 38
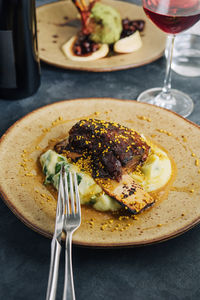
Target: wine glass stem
pixel 167 82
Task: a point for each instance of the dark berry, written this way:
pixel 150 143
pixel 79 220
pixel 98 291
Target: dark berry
pixel 77 50
pixel 125 21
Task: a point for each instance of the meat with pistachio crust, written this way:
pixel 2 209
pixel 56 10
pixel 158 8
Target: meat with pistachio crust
pixel 114 149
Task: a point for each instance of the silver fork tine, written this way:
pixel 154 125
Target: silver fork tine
pixel 71 193
pixel 78 205
pixel 60 203
pixel 66 194
pixel 56 244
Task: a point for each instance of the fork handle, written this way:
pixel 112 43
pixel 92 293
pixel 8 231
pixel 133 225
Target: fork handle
pixel 69 293
pixel 53 271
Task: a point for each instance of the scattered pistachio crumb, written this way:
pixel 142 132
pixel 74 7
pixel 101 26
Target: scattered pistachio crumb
pixel 29 174
pixel 46 129
pixel 22 165
pixel 144 118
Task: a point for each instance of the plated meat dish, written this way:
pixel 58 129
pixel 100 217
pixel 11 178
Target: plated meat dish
pixel 117 167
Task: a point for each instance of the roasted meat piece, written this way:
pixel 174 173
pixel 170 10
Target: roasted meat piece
pixel 113 148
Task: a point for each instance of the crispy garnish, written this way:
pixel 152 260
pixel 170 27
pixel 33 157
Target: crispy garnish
pixel 128 193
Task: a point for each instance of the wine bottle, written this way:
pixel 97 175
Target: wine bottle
pixel 19 60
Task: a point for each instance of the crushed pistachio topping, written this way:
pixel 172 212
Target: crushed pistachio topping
pixel 164 131
pixel 29 175
pixel 144 118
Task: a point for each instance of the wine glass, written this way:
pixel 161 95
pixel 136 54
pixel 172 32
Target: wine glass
pixel 171 16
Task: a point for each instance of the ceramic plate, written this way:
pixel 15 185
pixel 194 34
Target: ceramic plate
pixel 21 180
pixel 57 23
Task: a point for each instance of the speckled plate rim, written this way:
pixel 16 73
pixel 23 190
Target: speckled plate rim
pixel 47 234
pixel 97 70
pixel 111 69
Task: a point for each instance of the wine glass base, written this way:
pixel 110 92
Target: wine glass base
pixel 178 101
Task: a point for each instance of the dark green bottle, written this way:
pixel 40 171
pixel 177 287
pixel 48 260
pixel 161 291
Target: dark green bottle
pixel 19 60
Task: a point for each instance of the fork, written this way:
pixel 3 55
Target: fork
pixel 71 222
pixel 67 222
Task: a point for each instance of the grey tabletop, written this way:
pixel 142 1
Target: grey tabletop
pixel 169 271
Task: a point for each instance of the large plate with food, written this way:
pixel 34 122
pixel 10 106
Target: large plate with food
pixel 137 164
pixel 100 36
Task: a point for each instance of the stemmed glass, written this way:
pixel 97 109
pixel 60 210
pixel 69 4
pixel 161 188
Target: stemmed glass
pixel 171 16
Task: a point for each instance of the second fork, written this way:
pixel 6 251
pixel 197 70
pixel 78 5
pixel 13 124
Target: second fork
pixel 72 221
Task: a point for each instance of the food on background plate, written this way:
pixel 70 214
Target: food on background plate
pixel 96 51
pixel 128 44
pixel 116 166
pixel 106 25
pixel 102 30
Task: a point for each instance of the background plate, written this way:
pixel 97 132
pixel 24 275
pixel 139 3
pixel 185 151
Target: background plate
pixel 54 31
pixel 21 181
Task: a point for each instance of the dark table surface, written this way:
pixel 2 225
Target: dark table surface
pixel 169 271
